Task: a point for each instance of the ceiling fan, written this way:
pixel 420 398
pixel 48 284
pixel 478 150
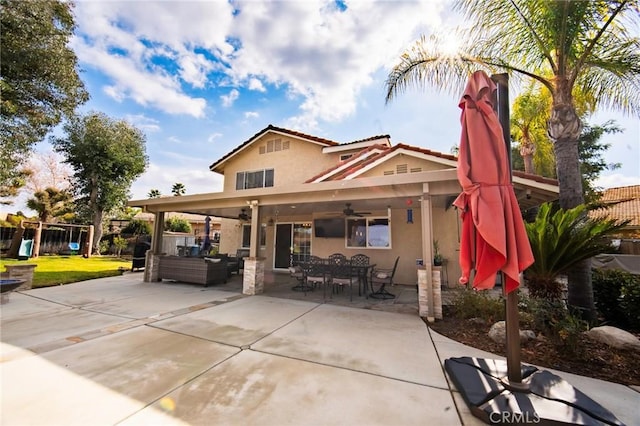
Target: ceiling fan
pixel 243 215
pixel 348 211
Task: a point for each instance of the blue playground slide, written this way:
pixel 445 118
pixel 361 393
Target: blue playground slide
pixel 26 247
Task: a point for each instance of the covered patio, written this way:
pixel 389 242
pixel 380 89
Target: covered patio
pixel 416 205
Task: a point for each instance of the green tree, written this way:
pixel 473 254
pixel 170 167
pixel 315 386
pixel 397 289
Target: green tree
pixel 106 156
pixel 528 127
pixel 39 80
pixel 563 45
pixel 154 193
pixel 137 227
pixel 50 203
pixel 178 189
pixel 177 224
pixel 592 163
pixel 120 243
pixel 561 238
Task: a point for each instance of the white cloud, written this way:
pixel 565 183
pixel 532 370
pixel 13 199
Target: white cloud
pixel 146 124
pixel 251 114
pixel 228 100
pixel 213 136
pixel 324 56
pixel 255 84
pixel 616 180
pixel 158 89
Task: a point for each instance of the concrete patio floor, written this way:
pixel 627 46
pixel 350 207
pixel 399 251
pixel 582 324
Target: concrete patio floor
pixel 117 351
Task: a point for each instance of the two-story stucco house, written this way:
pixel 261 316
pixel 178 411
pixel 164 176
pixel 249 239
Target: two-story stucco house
pixel 288 195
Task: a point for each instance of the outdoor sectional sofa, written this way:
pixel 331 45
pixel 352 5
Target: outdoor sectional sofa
pixel 194 270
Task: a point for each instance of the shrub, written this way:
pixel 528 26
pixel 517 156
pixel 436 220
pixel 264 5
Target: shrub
pixel 630 302
pixel 137 227
pixel 555 322
pixel 607 286
pixel 120 243
pixel 177 224
pixel 478 304
pixel 104 246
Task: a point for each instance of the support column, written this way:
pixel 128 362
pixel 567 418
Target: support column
pixel 151 267
pixel 152 257
pixel 427 249
pixel 158 230
pixel 253 273
pixel 253 276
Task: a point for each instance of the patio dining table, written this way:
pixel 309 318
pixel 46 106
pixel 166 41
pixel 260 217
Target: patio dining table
pixel 362 272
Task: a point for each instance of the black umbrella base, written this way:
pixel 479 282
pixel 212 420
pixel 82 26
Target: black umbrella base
pixel 542 398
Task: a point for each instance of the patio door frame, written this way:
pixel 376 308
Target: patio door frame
pixel 286 244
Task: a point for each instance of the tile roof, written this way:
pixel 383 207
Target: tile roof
pixel 623 203
pixel 366 157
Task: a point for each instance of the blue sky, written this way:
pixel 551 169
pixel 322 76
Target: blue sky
pixel 201 77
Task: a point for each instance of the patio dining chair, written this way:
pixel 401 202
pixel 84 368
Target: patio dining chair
pixel 359 264
pixel 337 258
pixel 314 272
pixel 343 275
pixel 381 278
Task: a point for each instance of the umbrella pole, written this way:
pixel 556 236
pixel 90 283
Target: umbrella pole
pixel 514 372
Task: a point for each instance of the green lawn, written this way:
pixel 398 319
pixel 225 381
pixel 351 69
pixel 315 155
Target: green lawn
pixel 55 270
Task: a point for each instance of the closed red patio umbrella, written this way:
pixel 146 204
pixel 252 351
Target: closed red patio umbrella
pixel 493 240
pixel 493 234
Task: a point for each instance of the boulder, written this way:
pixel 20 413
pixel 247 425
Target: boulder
pixel 498 333
pixel 614 337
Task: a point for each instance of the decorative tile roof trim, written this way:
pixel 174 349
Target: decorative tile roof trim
pixel 352 161
pixel 270 128
pixel 436 157
pixel 536 178
pixel 384 140
pixel 372 138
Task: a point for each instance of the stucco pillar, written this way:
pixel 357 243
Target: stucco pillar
pixel 431 297
pixel 253 276
pixel 151 267
pixel 255 229
pixel 158 230
pixel 427 248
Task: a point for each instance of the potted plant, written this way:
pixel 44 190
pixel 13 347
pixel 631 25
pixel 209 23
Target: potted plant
pixel 437 257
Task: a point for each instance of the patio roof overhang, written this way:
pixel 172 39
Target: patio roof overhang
pixel 367 193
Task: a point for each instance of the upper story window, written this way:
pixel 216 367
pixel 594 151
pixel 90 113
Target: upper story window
pixel 255 179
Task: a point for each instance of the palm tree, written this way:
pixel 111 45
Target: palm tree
pixel 560 239
pixel 528 127
pixel 563 45
pixel 50 203
pixel 154 193
pixel 178 189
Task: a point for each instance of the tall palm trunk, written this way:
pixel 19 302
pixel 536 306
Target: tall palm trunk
pixel 564 129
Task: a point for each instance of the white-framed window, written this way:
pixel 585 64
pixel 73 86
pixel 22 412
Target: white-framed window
pixel 370 232
pixel 254 179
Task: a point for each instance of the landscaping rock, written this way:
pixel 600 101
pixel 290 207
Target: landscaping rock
pixel 614 337
pixel 498 333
